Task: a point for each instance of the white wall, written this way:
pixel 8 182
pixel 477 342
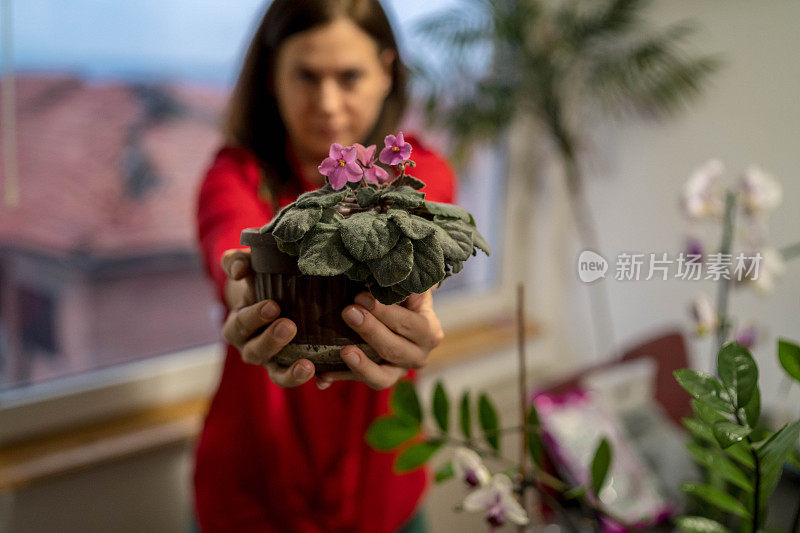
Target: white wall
pixel 750 113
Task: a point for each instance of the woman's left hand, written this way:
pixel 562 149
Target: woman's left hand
pixel 402 334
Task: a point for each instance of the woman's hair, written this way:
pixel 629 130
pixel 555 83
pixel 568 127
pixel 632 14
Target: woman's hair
pixel 252 119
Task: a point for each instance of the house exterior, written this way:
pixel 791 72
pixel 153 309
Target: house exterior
pixel 98 262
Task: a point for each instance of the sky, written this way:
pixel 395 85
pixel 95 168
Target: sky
pixel 192 40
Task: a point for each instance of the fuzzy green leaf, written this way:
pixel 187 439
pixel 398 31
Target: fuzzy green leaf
pixel 388 432
pixel 404 197
pixel 385 295
pixel 600 465
pixel 291 248
pixel 410 181
pixel 441 407
pixel 455 238
pixel 324 197
pixel 267 228
pixel 772 454
pixel 789 356
pixel 296 223
pixel 448 210
pixel 719 463
pixel 698 524
pixel 395 266
pixel 704 387
pixel 367 196
pixel 729 433
pixel 416 456
pixel 369 235
pixel 405 401
pixel 413 226
pixel 322 252
pixel 738 372
pixel 428 266
pixel 465 416
pixel 716 497
pixel 480 242
pixel 331 216
pixel 444 472
pixel 487 416
pixel 358 272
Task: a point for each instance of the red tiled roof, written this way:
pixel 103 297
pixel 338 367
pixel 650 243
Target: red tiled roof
pixel 72 136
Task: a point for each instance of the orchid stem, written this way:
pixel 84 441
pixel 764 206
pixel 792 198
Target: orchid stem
pixel 723 291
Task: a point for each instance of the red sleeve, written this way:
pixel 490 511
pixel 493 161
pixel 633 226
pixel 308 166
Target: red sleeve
pixel 435 171
pixel 228 202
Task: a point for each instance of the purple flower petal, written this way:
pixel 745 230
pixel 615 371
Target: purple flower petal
pixel 354 172
pixel 327 166
pixel 348 154
pixel 335 151
pixel 380 173
pixel 337 180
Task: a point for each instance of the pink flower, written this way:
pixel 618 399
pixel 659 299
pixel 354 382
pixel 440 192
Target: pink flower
pixel 397 149
pixel 495 499
pixel 366 156
pixel 341 167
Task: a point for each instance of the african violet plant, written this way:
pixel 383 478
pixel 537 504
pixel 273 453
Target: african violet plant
pixel 376 229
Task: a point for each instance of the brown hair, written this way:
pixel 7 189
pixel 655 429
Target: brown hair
pixel 252 119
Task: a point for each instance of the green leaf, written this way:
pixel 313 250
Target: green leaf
pixel 728 433
pixel 441 407
pixel 324 197
pixel 358 272
pixel 395 266
pixel 405 401
pixel 412 226
pixel 480 242
pixel 291 248
pixel 536 448
pixel 444 472
pixel 752 411
pixel 267 228
pixel 369 235
pixel 772 454
pixel 600 465
pixel 416 456
pixel 322 252
pixel 716 461
pixel 428 266
pixel 706 413
pixel 704 387
pixel 386 295
pixel 738 372
pixel 703 432
pixel 410 181
pixel 789 356
pixel 404 197
pixel 296 223
pixel 366 197
pixel 716 497
pixel 447 210
pixel 388 432
pixel 455 238
pixel 794 459
pixel 574 492
pixel 465 416
pixel 331 216
pixel 487 417
pixel 698 524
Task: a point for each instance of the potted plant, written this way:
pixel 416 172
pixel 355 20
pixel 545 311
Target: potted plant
pixel 362 230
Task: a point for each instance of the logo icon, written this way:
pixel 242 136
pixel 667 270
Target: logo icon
pixel 591 266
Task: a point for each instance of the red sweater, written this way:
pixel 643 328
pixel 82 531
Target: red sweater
pixel 291 460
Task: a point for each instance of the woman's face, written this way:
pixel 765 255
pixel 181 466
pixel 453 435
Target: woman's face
pixel 330 84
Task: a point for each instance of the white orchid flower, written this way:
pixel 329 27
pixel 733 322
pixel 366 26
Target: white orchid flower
pixel 771 268
pixel 704 316
pixel 468 466
pixel 761 193
pixel 497 501
pixel 702 196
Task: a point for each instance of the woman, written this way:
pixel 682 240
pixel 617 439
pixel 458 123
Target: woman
pixel 281 451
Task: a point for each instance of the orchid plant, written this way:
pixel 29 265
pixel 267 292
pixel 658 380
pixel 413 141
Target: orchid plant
pixel 376 228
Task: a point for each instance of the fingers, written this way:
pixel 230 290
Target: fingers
pixel 242 324
pixel 391 346
pixel 261 348
pixel 300 372
pixel 420 327
pixel 236 263
pixel 363 369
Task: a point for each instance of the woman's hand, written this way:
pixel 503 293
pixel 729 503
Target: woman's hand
pixel 242 328
pixel 403 334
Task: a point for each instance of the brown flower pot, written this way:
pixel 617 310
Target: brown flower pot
pixel 313 303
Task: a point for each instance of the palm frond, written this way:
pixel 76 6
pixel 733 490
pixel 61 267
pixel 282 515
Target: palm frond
pixel 616 18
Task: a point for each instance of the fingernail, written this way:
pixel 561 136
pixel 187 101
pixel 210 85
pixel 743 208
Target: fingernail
pixel 300 371
pixel 237 268
pixel 269 310
pixel 350 357
pixel 354 316
pixel 284 330
pixel 322 385
pixel 365 299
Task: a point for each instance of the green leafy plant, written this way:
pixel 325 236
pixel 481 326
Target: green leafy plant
pixel 386 235
pixel 743 461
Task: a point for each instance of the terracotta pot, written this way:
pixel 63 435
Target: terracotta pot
pixel 314 303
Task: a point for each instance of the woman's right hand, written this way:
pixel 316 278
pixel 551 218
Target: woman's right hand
pixel 247 317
